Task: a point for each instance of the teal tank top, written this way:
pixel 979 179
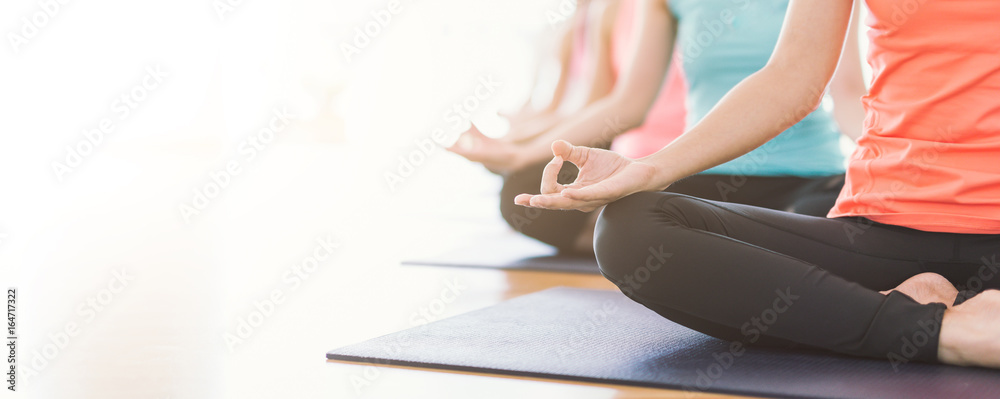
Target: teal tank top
pixel 723 42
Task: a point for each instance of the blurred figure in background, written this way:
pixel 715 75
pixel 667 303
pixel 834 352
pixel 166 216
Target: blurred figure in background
pixel 723 42
pixel 592 48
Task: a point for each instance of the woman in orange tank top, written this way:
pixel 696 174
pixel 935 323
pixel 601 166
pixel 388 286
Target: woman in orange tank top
pixel 906 266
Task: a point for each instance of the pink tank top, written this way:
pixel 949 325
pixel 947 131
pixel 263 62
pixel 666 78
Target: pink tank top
pixel 578 51
pixel 665 120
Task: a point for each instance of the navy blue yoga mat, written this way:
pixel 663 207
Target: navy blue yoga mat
pixel 602 337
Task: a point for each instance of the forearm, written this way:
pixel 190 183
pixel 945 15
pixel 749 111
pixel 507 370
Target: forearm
pixel 753 112
pixel 529 129
pixel 558 96
pixel 850 115
pixel 538 114
pixel 595 126
pixel 564 60
pixel 848 85
pixel 633 94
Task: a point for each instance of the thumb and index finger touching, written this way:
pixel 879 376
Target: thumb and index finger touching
pixel 569 152
pixel 581 191
pixel 579 155
pixel 562 151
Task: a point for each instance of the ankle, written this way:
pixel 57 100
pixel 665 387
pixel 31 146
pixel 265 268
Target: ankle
pixel 949 341
pixel 970 332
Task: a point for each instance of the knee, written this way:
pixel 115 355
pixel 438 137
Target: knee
pixel 507 205
pixel 628 239
pixel 525 181
pixel 519 218
pixel 559 229
pixel 631 212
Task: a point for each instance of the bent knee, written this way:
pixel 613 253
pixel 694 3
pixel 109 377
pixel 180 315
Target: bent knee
pixel 507 206
pixel 628 237
pixel 628 210
pixel 559 229
pixel 639 209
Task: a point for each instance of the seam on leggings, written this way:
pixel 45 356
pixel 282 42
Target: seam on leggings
pixel 738 242
pixel 776 227
pixel 847 349
pixel 870 322
pixel 855 349
pixel 851 349
pixel 642 299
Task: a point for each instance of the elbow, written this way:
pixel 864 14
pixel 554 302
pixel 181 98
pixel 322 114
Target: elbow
pixel 810 101
pixel 848 83
pixel 799 79
pixel 813 98
pixel 843 88
pixel 634 119
pixel 806 89
pixel 627 113
pixel 843 94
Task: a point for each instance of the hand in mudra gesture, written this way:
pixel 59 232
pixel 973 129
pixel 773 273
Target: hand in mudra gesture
pixel 499 156
pixel 604 177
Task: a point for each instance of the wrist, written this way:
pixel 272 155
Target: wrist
pixel 662 176
pixel 532 152
pixel 516 160
pixel 949 339
pixel 518 157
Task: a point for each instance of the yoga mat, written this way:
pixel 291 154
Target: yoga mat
pixel 509 251
pixel 602 337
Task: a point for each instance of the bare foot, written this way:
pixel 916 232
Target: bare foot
pixel 970 332
pixel 928 288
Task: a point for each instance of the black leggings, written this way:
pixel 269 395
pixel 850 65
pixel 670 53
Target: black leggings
pixel 767 277
pixel 808 196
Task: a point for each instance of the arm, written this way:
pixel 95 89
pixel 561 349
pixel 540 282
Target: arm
pixel 599 82
pixel 633 94
pixel 766 103
pixel 528 123
pixel 563 47
pixel 848 85
pixel 601 79
pixel 565 59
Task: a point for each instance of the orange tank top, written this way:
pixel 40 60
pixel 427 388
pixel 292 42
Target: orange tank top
pixel 930 155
